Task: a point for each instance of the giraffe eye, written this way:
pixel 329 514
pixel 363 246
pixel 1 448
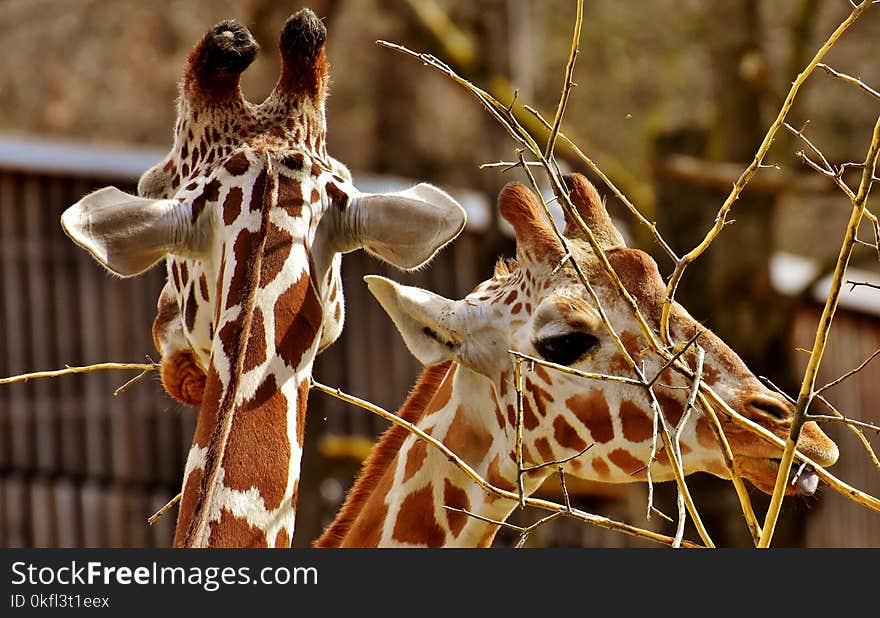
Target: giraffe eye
pixel 566 349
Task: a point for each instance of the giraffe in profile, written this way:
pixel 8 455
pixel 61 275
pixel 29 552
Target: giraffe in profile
pixel 251 216
pixel 601 430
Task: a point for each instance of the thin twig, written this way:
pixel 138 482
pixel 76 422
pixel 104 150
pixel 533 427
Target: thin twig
pixel 669 363
pixel 842 419
pixel 849 373
pixel 155 516
pixel 85 369
pixel 854 284
pixel 559 461
pixel 849 79
pixel 567 85
pixel 858 432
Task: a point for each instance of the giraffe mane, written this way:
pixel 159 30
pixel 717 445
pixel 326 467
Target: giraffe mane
pixel 226 409
pixel 383 454
pixel 504 267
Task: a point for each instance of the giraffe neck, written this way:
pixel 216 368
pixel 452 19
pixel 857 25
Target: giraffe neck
pixel 242 473
pixel 400 497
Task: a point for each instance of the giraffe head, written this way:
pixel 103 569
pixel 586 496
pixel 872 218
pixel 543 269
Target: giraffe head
pixel 252 216
pixel 538 307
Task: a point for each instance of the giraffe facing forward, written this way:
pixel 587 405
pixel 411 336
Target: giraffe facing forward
pixel 252 216
pixel 466 397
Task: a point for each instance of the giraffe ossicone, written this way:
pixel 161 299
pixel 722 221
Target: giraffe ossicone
pixel 466 396
pixel 251 216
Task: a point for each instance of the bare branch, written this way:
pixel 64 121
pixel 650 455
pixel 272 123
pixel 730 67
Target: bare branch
pixel 848 374
pixel 567 85
pixel 86 369
pixel 168 506
pixel 855 430
pixel 849 79
pixel 842 419
pixel 749 172
pixel 559 462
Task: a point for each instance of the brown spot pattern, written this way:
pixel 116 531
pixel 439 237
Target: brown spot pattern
pixel 705 435
pixel 591 409
pixel 625 461
pixel 530 419
pixel 294 161
pixel 282 539
pixel 258 192
pixel 420 527
pixel 237 164
pixel 203 286
pixel 495 478
pixel 601 467
pixel 258 451
pixel 566 435
pixel 456 498
pixel 338 197
pixel 544 375
pixel 542 397
pixel 232 205
pixel 544 449
pixel 636 425
pixel 255 351
pixel 415 457
pixel 468 442
pixel 232 531
pixel 673 408
pixel 244 248
pixel 279 244
pixel 290 196
pixel 190 308
pixel 208 411
pixel 298 317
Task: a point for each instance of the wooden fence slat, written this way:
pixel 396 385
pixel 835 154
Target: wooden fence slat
pixel 39 331
pixel 93 515
pixel 18 520
pixel 42 513
pixel 15 348
pixel 67 523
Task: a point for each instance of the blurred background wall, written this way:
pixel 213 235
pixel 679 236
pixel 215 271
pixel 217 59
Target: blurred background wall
pixel 672 99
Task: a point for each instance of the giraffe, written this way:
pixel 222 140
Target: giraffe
pixel 466 398
pixel 251 216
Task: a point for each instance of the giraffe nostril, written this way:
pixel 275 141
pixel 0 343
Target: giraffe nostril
pixel 770 407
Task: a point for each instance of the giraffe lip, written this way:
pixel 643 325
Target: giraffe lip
pixel 802 479
pixel 762 472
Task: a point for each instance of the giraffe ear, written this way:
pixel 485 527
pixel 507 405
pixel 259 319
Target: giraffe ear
pixel 429 324
pixel 125 233
pixel 407 228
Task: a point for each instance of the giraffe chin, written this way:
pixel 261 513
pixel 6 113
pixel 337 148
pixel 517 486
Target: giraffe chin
pixel 183 378
pixel 761 472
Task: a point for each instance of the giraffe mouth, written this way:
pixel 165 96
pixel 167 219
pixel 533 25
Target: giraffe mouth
pixel 761 472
